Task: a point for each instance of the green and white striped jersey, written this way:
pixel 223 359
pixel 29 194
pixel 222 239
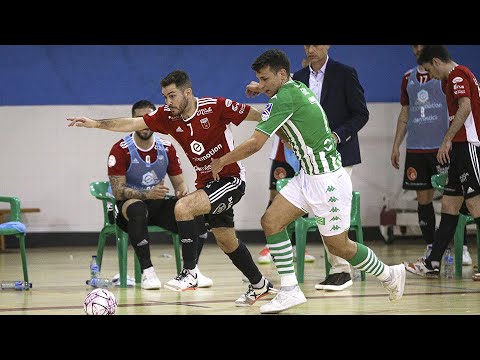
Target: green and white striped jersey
pixel 296 110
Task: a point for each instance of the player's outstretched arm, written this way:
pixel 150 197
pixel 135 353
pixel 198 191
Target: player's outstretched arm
pixel 117 124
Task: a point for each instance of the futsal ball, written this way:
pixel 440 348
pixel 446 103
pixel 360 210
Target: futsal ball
pixel 100 302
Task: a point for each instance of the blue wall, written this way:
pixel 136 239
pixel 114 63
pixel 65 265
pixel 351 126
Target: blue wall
pixel 122 74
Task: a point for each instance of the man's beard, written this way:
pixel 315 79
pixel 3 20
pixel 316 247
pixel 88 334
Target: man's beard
pixel 139 134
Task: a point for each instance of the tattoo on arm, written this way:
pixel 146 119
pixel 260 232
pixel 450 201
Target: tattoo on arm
pixel 122 192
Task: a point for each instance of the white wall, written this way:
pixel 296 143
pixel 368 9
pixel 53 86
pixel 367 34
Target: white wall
pixel 50 165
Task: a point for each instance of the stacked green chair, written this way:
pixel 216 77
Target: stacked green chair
pixel 303 225
pixel 99 189
pixel 438 182
pixel 16 228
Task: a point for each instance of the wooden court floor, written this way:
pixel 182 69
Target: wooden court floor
pixel 58 276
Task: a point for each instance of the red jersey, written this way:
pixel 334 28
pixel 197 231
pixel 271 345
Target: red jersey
pixel 204 135
pixel 119 158
pixel 462 83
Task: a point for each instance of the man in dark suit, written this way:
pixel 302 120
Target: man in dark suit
pixel 342 97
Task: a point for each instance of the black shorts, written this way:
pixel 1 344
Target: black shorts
pixel 464 172
pixel 160 213
pixel 223 194
pixel 419 169
pixel 279 170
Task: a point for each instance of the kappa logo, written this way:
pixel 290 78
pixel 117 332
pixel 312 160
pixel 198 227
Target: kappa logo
pixel 267 111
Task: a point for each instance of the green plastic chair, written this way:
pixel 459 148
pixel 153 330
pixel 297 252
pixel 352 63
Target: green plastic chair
pixel 15 209
pixel 438 182
pixel 99 189
pixel 303 225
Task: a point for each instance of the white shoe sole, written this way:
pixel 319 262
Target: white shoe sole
pixel 151 288
pixel 173 288
pixel 337 287
pixel 265 310
pixel 205 284
pixel 319 286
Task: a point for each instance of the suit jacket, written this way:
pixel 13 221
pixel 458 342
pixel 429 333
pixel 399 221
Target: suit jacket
pixel 344 103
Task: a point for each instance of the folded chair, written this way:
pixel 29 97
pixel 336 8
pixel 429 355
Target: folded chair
pixel 99 189
pixel 16 228
pixel 303 225
pixel 438 182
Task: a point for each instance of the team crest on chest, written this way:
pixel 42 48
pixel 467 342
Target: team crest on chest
pixel 205 123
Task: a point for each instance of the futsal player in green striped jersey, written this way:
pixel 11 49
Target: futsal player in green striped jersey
pixel 322 186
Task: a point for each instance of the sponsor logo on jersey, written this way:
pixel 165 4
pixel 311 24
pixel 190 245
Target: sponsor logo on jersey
pixel 267 111
pixel 422 96
pixel 197 147
pixel 205 123
pixel 242 109
pixel 458 79
pixel 111 161
pixel 204 111
pixel 203 169
pixel 150 178
pixel 210 153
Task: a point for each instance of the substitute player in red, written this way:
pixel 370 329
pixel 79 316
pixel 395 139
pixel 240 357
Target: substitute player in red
pixel 137 167
pixel 459 148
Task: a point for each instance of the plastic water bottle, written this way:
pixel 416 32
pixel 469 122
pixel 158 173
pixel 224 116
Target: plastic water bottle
pixel 16 285
pixel 100 283
pixel 448 263
pixel 356 274
pixel 94 268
